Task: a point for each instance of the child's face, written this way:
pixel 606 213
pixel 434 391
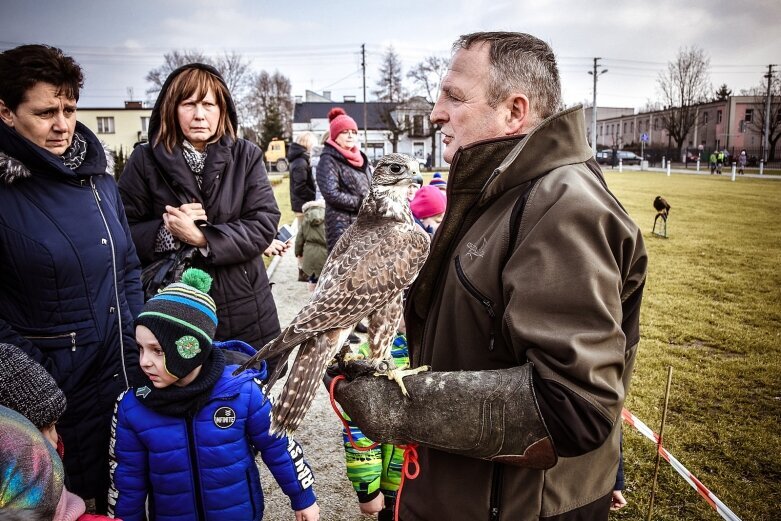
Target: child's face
pixel 152 358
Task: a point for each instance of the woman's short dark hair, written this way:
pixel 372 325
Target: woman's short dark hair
pixel 192 82
pixel 24 66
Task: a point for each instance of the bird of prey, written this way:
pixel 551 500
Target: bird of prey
pixel 365 275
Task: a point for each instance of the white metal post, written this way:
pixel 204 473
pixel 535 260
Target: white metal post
pixel 698 165
pixel 733 170
pixel 668 168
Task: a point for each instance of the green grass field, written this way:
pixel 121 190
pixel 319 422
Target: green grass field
pixel 712 311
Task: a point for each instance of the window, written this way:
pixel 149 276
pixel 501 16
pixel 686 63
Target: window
pixel 105 125
pixel 741 126
pixel 417 125
pixel 656 124
pixel 374 151
pixel 749 115
pixel 718 116
pixel 632 127
pixel 624 132
pixel 704 118
pixel 144 124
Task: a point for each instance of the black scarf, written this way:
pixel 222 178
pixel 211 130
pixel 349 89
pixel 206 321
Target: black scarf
pixel 184 402
pixel 74 155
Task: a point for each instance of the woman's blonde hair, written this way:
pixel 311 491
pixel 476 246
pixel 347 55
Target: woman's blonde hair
pixel 192 82
pixel 307 140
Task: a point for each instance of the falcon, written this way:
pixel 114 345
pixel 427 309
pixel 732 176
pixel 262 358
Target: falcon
pixel 365 275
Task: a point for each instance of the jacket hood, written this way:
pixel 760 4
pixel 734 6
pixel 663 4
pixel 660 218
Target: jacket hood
pixel 154 119
pixel 320 203
pixel 314 212
pixel 20 157
pixel 295 151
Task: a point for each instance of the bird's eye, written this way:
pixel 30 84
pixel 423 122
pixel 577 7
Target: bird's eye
pixel 395 169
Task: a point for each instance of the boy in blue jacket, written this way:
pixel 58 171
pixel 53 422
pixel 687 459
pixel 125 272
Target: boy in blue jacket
pixel 186 439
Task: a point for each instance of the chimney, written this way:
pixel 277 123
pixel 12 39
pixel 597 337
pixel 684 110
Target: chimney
pixel 133 105
pixel 327 94
pixel 349 99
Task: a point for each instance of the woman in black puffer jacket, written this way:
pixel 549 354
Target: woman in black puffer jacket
pixel 197 183
pixel 343 176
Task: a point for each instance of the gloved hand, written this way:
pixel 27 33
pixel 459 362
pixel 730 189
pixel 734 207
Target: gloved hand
pixel 490 415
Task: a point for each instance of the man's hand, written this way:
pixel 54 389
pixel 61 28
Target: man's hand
pixel 183 227
pixel 310 513
pixel 617 501
pixel 276 247
pixel 194 210
pixel 374 506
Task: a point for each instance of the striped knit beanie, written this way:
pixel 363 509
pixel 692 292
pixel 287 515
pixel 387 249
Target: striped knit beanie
pixel 183 318
pixel 27 388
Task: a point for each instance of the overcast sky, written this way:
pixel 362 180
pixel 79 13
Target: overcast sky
pixel 317 44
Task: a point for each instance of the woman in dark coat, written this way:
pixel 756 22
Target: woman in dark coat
pixel 69 284
pixel 196 183
pixel 343 175
pixel 302 182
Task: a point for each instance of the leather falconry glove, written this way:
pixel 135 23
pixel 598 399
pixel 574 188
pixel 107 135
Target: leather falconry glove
pixel 490 415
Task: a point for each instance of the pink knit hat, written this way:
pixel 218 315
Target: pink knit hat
pixel 340 122
pixel 428 201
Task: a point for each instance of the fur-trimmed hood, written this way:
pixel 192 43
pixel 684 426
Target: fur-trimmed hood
pixel 313 204
pixel 19 157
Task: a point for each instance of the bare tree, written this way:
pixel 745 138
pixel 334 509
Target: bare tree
pixel 172 61
pixel 395 128
pixel 231 66
pixel 427 77
pixel 269 97
pixel 757 123
pixel 723 93
pixel 389 85
pixel 683 85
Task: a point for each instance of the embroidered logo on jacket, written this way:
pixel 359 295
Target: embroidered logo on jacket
pixel 143 392
pixel 476 250
pixel 224 417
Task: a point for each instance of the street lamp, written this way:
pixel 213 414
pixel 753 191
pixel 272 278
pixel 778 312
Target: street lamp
pixel 594 106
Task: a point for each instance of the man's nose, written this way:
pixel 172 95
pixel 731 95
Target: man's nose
pixel 438 114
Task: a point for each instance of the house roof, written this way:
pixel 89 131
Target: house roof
pixel 307 111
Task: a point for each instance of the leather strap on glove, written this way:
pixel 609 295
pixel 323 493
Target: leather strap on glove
pixel 490 415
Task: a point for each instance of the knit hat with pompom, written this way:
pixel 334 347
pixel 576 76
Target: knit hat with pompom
pixel 183 318
pixel 340 122
pixel 27 388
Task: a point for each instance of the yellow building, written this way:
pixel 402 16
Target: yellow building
pixel 118 127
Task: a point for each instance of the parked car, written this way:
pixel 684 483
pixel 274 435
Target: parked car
pixel 604 157
pixel 629 158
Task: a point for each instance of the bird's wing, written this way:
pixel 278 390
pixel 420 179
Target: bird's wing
pixel 368 267
pixel 383 325
pixel 376 264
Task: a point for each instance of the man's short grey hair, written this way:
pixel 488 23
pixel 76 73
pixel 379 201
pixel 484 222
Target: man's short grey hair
pixel 519 62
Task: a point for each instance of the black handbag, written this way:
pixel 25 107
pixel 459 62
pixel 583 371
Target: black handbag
pixel 166 270
pixel 169 268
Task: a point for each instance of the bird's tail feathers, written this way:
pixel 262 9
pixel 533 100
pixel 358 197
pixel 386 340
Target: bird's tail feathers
pixel 305 376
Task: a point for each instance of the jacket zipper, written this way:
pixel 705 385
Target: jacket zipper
pixel 496 492
pixel 116 282
pixel 191 449
pixel 72 334
pixel 485 301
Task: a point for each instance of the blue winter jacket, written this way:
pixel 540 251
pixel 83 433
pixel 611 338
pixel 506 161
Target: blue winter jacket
pixel 204 468
pixel 69 288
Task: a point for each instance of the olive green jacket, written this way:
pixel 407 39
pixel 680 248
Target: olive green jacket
pixel 536 261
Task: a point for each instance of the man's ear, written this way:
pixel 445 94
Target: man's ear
pixel 519 118
pixel 5 114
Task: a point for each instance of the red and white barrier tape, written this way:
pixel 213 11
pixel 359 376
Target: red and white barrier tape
pixel 696 484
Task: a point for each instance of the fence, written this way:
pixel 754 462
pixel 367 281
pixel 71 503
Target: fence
pixel 654 156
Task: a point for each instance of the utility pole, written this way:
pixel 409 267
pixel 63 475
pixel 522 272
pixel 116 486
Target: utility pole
pixel 766 137
pixel 594 106
pixel 363 66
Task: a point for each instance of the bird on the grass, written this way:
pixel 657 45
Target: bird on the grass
pixel 365 275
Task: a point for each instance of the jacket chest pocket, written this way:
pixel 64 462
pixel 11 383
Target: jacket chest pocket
pixel 485 303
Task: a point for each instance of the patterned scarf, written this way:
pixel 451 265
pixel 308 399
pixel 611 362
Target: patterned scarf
pixel 76 152
pixel 184 402
pixel 195 160
pixel 353 155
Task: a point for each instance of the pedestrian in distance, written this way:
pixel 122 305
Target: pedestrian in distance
pixel 343 175
pixel 529 301
pixel 197 183
pixel 712 162
pixel 184 442
pixel 310 242
pixel 302 181
pixel 69 287
pixel 742 160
